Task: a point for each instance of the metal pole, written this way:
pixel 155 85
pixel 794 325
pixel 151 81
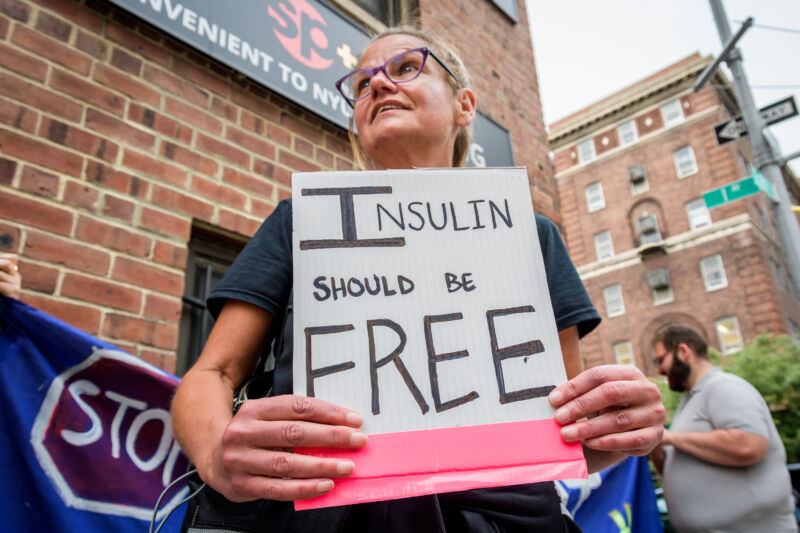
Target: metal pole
pixel 785 220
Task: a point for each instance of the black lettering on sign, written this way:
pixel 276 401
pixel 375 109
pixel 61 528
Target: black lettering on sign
pixel 400 223
pixel 451 280
pixel 405 284
pixel 434 358
pixel 350 235
pixel 311 373
pixel 359 287
pixel 374 365
pixel 496 210
pixel 478 224
pixel 341 288
pixel 418 215
pixel 319 283
pixel 456 227
pixel 377 288
pixel 386 290
pixel 517 350
pixel 430 217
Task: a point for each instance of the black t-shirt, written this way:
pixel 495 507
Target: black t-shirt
pixel 262 276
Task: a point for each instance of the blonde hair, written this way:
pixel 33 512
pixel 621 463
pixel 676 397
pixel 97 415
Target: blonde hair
pixel 449 56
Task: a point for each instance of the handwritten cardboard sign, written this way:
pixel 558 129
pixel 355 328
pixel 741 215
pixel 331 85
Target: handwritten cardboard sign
pixel 421 301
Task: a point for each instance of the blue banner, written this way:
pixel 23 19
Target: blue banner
pixel 620 499
pixel 85 434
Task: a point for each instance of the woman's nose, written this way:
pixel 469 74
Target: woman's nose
pixel 380 81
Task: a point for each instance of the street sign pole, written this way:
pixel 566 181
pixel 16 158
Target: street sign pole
pixel 786 222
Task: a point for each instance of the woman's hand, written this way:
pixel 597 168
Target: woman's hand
pixel 611 408
pixel 254 459
pixel 10 280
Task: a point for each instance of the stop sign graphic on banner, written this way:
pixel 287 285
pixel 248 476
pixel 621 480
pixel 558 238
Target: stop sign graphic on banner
pixel 104 437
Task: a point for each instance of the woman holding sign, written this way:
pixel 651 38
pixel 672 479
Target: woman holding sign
pixel 412 108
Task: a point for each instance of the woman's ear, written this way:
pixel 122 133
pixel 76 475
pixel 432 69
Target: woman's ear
pixel 465 107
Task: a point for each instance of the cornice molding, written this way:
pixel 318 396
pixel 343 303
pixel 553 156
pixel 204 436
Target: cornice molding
pixel 636 96
pixel 700 115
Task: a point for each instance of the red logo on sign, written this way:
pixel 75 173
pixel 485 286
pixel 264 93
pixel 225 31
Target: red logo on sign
pixel 302 32
pixel 104 437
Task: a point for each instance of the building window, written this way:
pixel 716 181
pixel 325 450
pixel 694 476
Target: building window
pixel 627 133
pixel 685 164
pixel 623 353
pixel 660 286
pixel 698 214
pixel 209 258
pixel 763 221
pixel 586 151
pixel 389 12
pixel 648 229
pixel 713 272
pixel 638 179
pixel 794 331
pixel 594 197
pixel 615 305
pixel 672 112
pixel 509 7
pixel 779 273
pixel 603 245
pixel 729 335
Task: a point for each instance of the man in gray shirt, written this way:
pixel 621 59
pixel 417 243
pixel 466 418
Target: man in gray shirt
pixel 723 463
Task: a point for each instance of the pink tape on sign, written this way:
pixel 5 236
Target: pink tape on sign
pixel 415 463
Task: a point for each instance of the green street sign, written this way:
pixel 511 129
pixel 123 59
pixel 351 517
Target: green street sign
pixel 715 198
pixel 739 189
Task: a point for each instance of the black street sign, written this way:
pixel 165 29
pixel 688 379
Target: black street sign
pixel 736 129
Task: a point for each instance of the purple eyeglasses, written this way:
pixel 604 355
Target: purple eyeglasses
pixel 403 67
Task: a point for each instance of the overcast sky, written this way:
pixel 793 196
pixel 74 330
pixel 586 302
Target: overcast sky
pixel 588 49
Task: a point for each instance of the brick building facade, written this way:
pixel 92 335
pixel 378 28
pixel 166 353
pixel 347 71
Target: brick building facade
pixel 631 171
pixel 133 167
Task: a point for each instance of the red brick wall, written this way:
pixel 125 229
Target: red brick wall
pixel 499 56
pixel 717 165
pixel 751 295
pixel 113 139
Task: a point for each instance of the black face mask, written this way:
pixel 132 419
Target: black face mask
pixel 678 374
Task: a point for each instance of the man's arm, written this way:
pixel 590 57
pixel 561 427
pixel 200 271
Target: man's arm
pixel 657 457
pixel 726 447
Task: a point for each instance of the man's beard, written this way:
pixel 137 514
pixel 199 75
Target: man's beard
pixel 678 375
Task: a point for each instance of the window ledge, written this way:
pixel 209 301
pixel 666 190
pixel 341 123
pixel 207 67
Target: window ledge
pixel 652 249
pixel 715 289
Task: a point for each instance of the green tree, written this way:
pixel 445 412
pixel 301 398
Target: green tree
pixel 772 365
